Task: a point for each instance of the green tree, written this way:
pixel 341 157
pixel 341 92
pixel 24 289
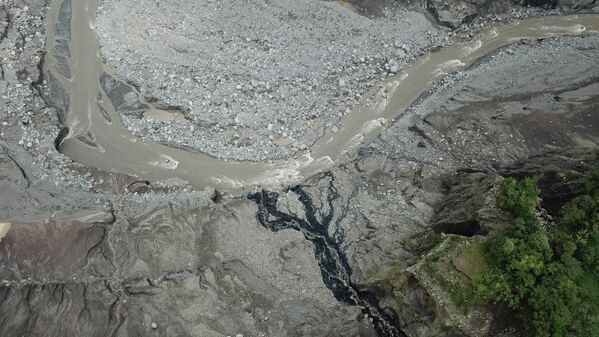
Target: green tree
pixel 519 196
pixel 549 277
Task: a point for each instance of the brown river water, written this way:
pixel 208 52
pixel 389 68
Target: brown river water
pixel 114 149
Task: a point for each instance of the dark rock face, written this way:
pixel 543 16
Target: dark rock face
pixel 309 261
pixel 565 4
pixel 424 294
pixel 416 307
pixel 4 22
pixel 89 253
pixel 541 3
pixel 469 209
pixel 122 97
pixel 521 121
pixel 454 13
pixel 577 4
pixel 556 173
pixel 371 8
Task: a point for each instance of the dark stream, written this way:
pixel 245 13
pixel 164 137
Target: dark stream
pixel 335 270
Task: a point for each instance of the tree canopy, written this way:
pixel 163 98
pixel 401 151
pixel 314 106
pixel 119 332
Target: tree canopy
pixel 549 274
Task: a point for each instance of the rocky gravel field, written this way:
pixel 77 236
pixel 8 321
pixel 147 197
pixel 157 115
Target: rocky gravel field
pixel 255 81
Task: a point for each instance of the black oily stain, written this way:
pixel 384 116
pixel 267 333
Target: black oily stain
pixel 334 268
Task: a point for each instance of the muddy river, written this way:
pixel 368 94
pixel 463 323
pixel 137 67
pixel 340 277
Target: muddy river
pixel 96 137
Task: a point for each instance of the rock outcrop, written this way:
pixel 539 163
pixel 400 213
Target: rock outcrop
pixel 454 13
pixel 564 4
pixel 434 296
pixel 469 207
pixel 494 126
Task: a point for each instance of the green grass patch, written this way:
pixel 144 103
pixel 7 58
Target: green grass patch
pixel 441 270
pixel 471 261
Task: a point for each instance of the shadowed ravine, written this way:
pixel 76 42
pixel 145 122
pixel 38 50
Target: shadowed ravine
pixel 335 270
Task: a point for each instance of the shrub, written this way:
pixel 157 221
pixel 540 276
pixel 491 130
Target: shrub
pixel 519 196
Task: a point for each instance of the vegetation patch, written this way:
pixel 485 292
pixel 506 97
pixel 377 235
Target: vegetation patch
pixel 442 271
pixel 471 261
pixel 452 282
pixel 548 273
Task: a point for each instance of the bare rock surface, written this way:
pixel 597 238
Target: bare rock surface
pixel 227 274
pixel 525 99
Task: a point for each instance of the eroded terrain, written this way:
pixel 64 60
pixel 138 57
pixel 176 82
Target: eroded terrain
pixel 98 252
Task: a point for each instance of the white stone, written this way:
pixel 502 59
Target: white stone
pixel 400 53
